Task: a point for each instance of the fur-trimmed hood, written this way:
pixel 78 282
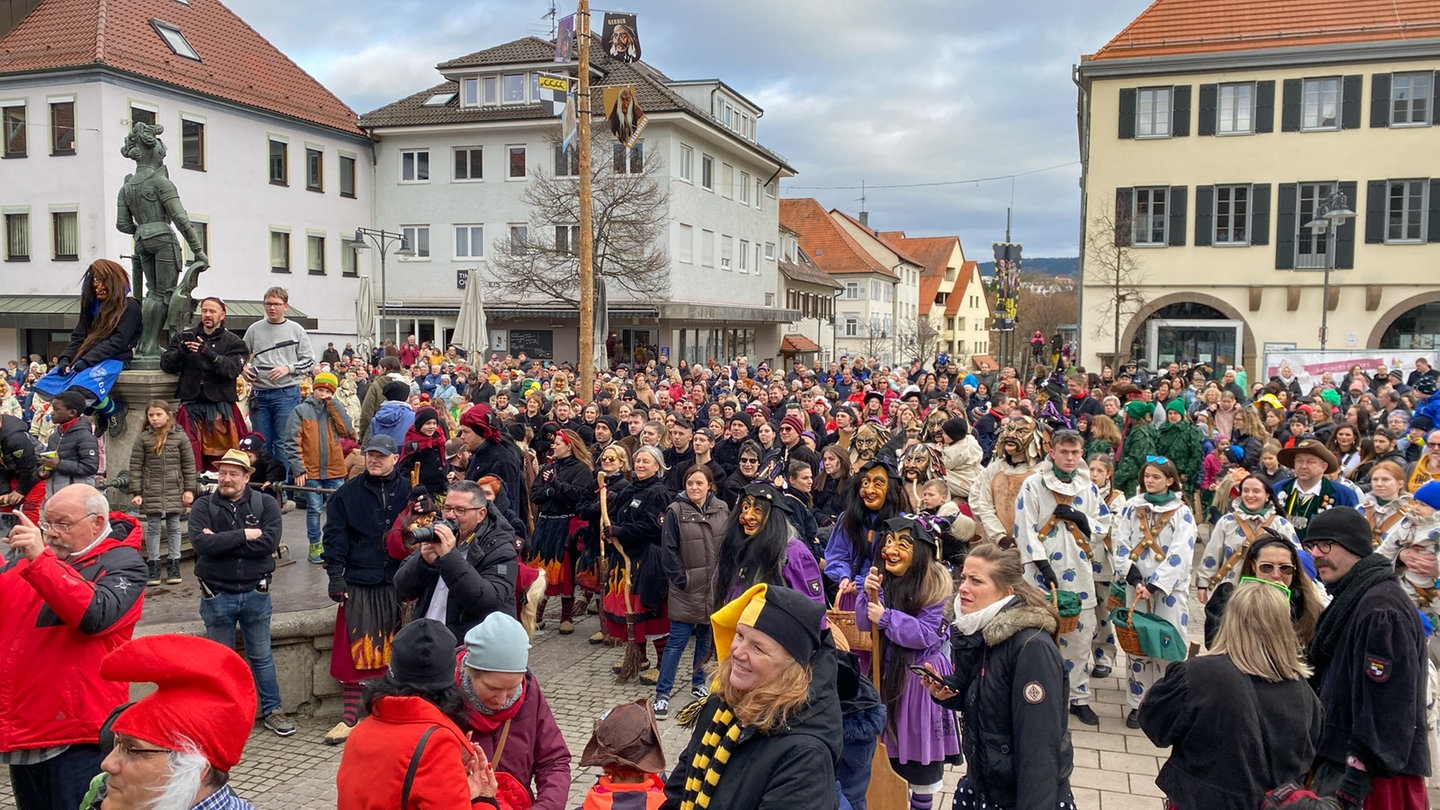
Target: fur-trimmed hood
pixel 1012 620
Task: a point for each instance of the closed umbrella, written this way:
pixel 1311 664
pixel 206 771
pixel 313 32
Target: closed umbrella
pixel 601 357
pixel 471 331
pixel 365 311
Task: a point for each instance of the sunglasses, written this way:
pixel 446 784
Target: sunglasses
pixel 1285 569
pixel 1156 460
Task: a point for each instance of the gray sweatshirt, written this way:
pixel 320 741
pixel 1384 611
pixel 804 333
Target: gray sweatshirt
pixel 279 344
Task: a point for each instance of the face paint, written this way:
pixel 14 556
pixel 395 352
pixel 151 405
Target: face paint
pixel 754 514
pixel 898 552
pixel 874 486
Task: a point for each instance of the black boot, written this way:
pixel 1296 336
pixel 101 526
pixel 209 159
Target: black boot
pixel 154 573
pixel 172 575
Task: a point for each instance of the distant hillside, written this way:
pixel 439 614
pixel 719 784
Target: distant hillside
pixel 1068 267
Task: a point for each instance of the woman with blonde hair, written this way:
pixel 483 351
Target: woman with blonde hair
pixel 1241 719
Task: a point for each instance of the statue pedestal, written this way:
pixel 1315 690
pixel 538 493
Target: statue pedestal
pixel 133 389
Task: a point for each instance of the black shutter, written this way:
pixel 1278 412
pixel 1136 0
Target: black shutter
pixel 1260 214
pixel 1432 227
pixel 1285 227
pixel 1204 208
pixel 1290 106
pixel 1127 113
pixel 1375 212
pixel 1350 90
pixel 1178 217
pixel 1180 109
pixel 1124 213
pixel 1345 236
pixel 1206 125
pixel 1265 106
pixel 1435 99
pixel 1380 100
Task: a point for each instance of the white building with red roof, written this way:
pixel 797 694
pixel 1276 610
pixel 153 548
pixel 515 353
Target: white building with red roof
pixel 271 165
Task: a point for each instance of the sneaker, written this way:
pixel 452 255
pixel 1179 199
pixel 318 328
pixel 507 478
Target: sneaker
pixel 316 549
pixel 337 735
pixel 662 707
pixel 279 723
pixel 1100 671
pixel 154 573
pixel 172 573
pixel 1084 714
pixel 1132 720
pixel 650 677
pixel 702 691
pixel 566 628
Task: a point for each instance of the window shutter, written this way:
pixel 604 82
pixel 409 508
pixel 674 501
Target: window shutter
pixel 1204 207
pixel 1206 125
pixel 1260 214
pixel 1432 227
pixel 1435 99
pixel 1265 106
pixel 1379 101
pixel 1180 111
pixel 1345 237
pixel 1285 227
pixel 1127 113
pixel 1178 216
pixel 1375 212
pixel 1290 106
pixel 1350 90
pixel 1124 212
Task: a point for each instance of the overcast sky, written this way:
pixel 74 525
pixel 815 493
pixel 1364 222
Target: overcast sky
pixel 901 92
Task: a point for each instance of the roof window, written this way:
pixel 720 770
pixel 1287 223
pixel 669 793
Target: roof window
pixel 176 40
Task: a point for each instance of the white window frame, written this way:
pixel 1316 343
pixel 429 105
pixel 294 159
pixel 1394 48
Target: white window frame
pixel 1310 246
pixel 470 163
pixel 510 175
pixel 1417 104
pixel 707 172
pixel 174 39
pixel 1154 196
pixel 415 157
pixel 769 251
pixel 1235 108
pixel 505 89
pixel 687 163
pixel 727 251
pixel 1315 95
pixel 744 257
pixel 567 238
pixel 310 254
pixel 685 244
pixel 470 92
pixel 850 325
pixel 473 235
pixel 519 232
pixel 354 174
pixel 707 248
pixel 727 181
pixel 50 103
pixel 1154 107
pixel 1412 210
pixel 1232 214
pixel 6 239
pixel 288 264
pixel 270 140
pixel 854 291
pixel 745 188
pixel 489 91
pixel 312 150
pixel 418 238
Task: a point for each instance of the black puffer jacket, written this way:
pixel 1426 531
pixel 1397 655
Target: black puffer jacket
pixel 1013 700
pixel 479 574
pixel 207 375
pixel 789 769
pixel 19 459
pixel 562 486
pixel 359 515
pixel 637 526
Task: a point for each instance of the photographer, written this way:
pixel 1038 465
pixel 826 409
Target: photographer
pixel 463 568
pixel 208 359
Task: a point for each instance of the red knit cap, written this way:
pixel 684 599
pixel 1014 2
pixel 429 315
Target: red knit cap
pixel 481 420
pixel 793 421
pixel 206 695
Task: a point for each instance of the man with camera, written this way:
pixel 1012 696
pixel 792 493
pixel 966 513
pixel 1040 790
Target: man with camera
pixel 208 359
pixel 464 566
pixel 235 531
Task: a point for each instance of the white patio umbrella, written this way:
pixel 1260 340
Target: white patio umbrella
pixel 365 311
pixel 471 332
pixel 601 358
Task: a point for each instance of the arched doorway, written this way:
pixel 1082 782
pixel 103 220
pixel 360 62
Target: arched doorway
pixel 1413 324
pixel 1188 331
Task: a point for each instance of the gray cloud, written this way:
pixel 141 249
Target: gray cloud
pixel 904 92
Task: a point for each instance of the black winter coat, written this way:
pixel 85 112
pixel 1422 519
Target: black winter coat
pixel 358 517
pixel 637 526
pixel 503 461
pixel 1231 736
pixel 480 575
pixel 562 486
pixel 19 456
pixel 1013 700
pixel 118 345
pixel 791 768
pixel 224 559
pixel 207 375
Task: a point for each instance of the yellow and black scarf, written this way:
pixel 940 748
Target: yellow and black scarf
pixel 711 757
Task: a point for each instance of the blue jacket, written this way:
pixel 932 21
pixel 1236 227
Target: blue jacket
pixel 393 420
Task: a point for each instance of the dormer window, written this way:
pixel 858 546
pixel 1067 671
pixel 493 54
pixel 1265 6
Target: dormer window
pixel 514 88
pixel 176 40
pixel 470 93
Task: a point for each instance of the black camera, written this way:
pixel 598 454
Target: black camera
pixel 426 534
pixel 8 521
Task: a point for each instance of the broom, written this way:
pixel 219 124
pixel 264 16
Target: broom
pixel 602 561
pixel 634 661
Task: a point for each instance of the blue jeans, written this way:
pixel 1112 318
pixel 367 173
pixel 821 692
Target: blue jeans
pixel 58 783
pixel 315 505
pixel 680 635
pixel 270 413
pixel 251 611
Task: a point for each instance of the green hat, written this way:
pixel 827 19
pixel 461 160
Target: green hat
pixel 1177 405
pixel 1138 409
pixel 1331 396
pixel 326 380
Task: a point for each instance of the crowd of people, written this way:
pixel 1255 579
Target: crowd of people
pixel 927 562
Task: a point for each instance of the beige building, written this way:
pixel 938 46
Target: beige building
pixel 953 311
pixel 1212 142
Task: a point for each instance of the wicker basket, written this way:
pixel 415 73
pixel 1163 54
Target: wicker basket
pixel 1125 634
pixel 843 622
pixel 1068 624
pixel 1115 599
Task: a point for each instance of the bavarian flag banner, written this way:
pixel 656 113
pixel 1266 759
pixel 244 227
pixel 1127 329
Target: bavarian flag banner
pixel 554 90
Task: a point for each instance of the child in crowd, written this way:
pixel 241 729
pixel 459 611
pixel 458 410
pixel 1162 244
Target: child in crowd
pixel 1420 530
pixel 626 744
pixel 162 485
pixel 422 455
pixel 935 500
pixel 1102 471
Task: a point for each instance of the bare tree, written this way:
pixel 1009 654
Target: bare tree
pixel 919 337
pixel 876 340
pixel 1110 263
pixel 539 264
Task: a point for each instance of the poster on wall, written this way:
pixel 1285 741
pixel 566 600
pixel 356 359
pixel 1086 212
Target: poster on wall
pixel 1310 367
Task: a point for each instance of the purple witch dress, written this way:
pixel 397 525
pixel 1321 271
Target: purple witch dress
pixel 927 730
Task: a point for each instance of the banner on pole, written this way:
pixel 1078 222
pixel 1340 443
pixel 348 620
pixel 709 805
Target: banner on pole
pixel 1007 285
pixel 554 93
pixel 620 38
pixel 622 110
pixel 565 40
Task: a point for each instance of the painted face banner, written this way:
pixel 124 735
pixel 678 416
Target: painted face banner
pixel 620 38
pixel 1007 285
pixel 622 110
pixel 565 40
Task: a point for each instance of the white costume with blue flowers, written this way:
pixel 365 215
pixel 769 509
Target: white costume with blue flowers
pixel 1164 560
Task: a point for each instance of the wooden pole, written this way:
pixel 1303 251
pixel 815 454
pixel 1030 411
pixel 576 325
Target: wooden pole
pixel 586 356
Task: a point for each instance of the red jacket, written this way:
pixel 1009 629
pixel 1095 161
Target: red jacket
pixel 611 795
pixel 378 752
pixel 57 620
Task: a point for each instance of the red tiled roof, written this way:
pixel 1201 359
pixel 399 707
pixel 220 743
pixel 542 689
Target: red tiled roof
pixel 933 253
pixel 1175 27
pixel 825 242
pixel 892 245
pixel 236 63
pixel 962 283
pixel 792 344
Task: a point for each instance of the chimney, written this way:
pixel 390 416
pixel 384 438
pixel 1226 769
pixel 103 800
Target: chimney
pixel 865 218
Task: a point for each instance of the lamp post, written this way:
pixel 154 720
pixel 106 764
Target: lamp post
pixel 1336 213
pixel 363 239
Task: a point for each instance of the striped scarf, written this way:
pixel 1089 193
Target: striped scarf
pixel 711 757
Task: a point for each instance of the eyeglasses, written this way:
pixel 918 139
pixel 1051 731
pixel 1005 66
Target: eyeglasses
pixel 1285 569
pixel 275 304
pixel 749 461
pixel 461 510
pixel 63 526
pixel 1156 460
pixel 129 750
pixel 1322 546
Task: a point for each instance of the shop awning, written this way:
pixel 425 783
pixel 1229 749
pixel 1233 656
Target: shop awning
pixel 61 311
pixel 798 344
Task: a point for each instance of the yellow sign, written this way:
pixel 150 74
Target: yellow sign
pixel 559 83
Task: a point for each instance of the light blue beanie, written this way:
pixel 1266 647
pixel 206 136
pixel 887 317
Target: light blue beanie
pixel 498 644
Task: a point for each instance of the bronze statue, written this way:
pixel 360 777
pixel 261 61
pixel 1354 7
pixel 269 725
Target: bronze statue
pixel 147 205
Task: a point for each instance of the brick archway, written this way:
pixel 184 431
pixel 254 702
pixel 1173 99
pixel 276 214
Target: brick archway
pixel 1248 353
pixel 1384 322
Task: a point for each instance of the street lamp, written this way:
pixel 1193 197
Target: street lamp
pixel 363 239
pixel 1337 213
